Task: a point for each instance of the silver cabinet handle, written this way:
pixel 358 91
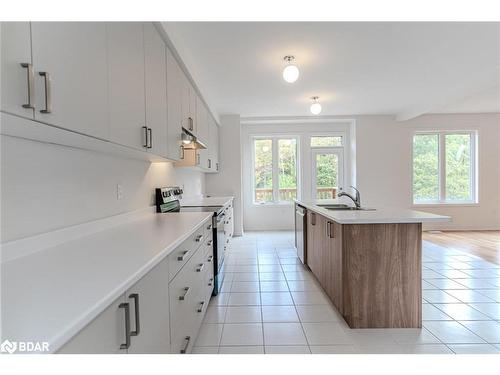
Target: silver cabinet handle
pixel 150 143
pixel 200 267
pixel 186 291
pixel 182 257
pixel 191 123
pixel 329 231
pixel 216 166
pixel 211 281
pixel 184 349
pixel 199 238
pixel 48 93
pixel 135 297
pixel 200 308
pixel 197 159
pixel 181 152
pixel 31 87
pixel 209 163
pixel 126 306
pixel 313 218
pixel 210 258
pixel 145 144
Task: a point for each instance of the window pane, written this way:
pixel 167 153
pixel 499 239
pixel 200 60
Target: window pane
pixel 326 141
pixel 426 167
pixel 458 167
pixel 263 174
pixel 327 167
pixel 287 169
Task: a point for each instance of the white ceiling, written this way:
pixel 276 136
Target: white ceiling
pixel 405 69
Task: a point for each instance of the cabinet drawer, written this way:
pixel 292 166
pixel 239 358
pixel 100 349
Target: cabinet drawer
pixel 184 252
pixel 185 300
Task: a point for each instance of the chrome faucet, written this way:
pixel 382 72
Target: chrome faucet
pixel 356 200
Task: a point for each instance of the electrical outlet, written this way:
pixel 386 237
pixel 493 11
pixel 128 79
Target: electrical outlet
pixel 119 191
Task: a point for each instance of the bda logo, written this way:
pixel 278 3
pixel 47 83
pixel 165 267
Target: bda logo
pixel 8 347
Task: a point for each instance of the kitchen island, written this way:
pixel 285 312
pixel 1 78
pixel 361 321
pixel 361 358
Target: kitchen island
pixel 368 262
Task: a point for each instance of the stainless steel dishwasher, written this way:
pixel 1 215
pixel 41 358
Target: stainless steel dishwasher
pixel 300 232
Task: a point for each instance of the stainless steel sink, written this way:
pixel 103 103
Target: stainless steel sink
pixel 344 207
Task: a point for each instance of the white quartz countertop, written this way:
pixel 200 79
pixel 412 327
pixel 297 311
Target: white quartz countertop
pixel 53 293
pixel 205 201
pixel 374 216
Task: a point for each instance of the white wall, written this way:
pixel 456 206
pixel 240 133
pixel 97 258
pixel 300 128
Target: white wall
pixel 46 187
pixel 384 165
pixel 383 170
pixel 229 180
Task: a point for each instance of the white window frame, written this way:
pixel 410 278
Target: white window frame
pixel 442 201
pixel 275 167
pixel 334 150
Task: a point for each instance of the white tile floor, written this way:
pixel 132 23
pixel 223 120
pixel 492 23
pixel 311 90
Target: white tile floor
pixel 272 304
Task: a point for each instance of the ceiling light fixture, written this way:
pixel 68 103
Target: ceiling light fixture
pixel 291 72
pixel 315 107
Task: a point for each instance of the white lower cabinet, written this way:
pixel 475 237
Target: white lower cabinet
pixel 149 310
pixel 137 322
pixel 189 298
pixel 155 315
pixel 104 335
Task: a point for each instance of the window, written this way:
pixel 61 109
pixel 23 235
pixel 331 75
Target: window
pixel 334 141
pixel 444 167
pixel 275 169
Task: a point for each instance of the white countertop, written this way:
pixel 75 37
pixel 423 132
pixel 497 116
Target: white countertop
pixel 205 201
pixel 51 294
pixel 377 216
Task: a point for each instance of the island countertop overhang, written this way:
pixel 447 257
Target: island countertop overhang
pixel 374 216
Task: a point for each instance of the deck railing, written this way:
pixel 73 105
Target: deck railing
pixel 288 194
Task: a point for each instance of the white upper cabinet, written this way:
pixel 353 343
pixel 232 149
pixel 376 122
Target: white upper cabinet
pixel 213 145
pixel 69 60
pixel 174 107
pixel 17 69
pixel 187 121
pixel 156 90
pixel 201 120
pixel 126 99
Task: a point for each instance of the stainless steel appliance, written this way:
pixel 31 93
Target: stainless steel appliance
pixel 168 200
pixel 301 232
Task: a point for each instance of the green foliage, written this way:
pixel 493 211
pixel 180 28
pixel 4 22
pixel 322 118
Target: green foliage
pixel 425 167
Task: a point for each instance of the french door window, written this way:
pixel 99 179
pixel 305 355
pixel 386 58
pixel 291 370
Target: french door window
pixel 275 169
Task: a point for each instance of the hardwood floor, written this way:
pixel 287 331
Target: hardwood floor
pixel 485 244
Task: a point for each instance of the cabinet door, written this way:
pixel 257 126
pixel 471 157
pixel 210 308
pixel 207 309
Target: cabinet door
pixel 316 240
pixel 192 107
pixel 214 145
pixel 202 134
pixel 201 121
pixel 150 300
pixel 74 93
pixel 174 110
pixel 17 82
pixel 104 335
pixel 332 264
pixel 126 83
pixel 156 89
pixel 187 120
